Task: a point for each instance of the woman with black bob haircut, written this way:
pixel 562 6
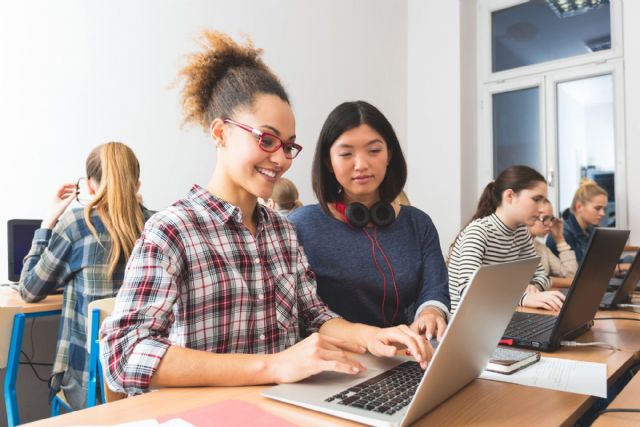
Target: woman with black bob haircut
pixel 376 262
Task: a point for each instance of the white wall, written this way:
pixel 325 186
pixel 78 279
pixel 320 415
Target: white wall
pixel 434 154
pixel 79 73
pixel 631 15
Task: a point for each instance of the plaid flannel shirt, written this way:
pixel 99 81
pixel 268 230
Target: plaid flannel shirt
pixel 198 279
pixel 70 256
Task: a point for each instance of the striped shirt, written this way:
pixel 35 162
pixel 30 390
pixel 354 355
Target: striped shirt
pixel 70 256
pixel 197 278
pixel 489 241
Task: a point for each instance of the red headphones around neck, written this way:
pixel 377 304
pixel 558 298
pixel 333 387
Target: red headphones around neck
pixel 381 214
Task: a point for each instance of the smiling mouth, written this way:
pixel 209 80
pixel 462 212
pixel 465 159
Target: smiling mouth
pixel 267 172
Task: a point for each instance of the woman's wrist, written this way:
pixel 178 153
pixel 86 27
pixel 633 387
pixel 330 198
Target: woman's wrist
pixel 434 309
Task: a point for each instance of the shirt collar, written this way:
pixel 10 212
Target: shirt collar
pixel 221 210
pixel 575 226
pixel 502 227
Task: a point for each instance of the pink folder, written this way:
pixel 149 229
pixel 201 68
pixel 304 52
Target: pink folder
pixel 235 413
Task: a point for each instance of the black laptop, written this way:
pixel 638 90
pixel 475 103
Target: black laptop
pixel 622 293
pixel 544 332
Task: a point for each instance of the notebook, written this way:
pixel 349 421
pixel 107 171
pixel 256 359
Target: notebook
pixel 509 360
pixel 395 391
pixel 544 332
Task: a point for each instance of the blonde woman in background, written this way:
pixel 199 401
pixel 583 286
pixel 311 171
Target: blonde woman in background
pixel 587 210
pixel 559 269
pixel 402 199
pixel 284 198
pixel 84 251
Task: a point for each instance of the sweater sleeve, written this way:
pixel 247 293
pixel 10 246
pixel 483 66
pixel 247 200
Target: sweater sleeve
pixel 564 266
pixel 434 291
pixel 540 278
pixel 466 257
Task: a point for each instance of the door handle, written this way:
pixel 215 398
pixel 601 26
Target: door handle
pixel 551 178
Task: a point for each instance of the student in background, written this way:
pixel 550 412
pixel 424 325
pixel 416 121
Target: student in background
pixel 218 290
pixel 284 198
pixel 84 251
pixel 559 269
pixel 498 233
pixel 403 199
pixel 588 207
pixel 587 210
pixel 376 273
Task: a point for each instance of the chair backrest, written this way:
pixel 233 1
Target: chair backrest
pixel 98 311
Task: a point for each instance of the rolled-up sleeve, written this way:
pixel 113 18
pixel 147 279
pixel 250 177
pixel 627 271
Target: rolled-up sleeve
pixel 136 335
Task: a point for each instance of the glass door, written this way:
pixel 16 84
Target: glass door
pixel 586 139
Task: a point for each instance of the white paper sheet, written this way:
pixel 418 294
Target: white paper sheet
pixel 559 374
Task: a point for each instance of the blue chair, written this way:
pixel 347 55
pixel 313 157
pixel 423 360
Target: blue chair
pixel 98 310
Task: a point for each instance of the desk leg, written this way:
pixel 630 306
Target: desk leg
pixel 13 364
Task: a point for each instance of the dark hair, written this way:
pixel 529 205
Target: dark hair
pixel 516 178
pixel 223 77
pixel 346 116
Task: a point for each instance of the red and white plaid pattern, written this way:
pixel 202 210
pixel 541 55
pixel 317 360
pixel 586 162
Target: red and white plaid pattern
pixel 197 278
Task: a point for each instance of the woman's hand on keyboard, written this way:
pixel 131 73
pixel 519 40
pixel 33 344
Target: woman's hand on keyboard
pixel 384 343
pixel 315 354
pixel 430 323
pixel 548 300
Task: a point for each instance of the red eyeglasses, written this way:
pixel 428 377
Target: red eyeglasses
pixel 269 142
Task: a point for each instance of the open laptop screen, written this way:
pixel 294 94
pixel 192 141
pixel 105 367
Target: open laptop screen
pixel 19 236
pixel 590 281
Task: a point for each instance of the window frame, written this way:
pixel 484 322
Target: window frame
pixel 546 76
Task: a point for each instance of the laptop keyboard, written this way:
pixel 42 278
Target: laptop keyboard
pixel 616 282
pixel 529 325
pixel 607 299
pixel 386 393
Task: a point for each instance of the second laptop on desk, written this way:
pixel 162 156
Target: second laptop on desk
pixel 625 287
pixel 545 332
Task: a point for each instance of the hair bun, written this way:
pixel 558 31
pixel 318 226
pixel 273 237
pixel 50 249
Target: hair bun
pixel 223 76
pixel 587 182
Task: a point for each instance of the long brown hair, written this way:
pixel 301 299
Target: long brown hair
pixel 115 167
pixel 516 178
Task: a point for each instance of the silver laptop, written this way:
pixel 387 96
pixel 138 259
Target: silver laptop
pixel 395 391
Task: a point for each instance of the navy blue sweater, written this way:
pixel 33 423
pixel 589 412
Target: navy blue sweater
pixel 348 279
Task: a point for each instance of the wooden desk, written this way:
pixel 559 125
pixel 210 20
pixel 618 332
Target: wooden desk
pixel 483 403
pixel 13 312
pixel 629 397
